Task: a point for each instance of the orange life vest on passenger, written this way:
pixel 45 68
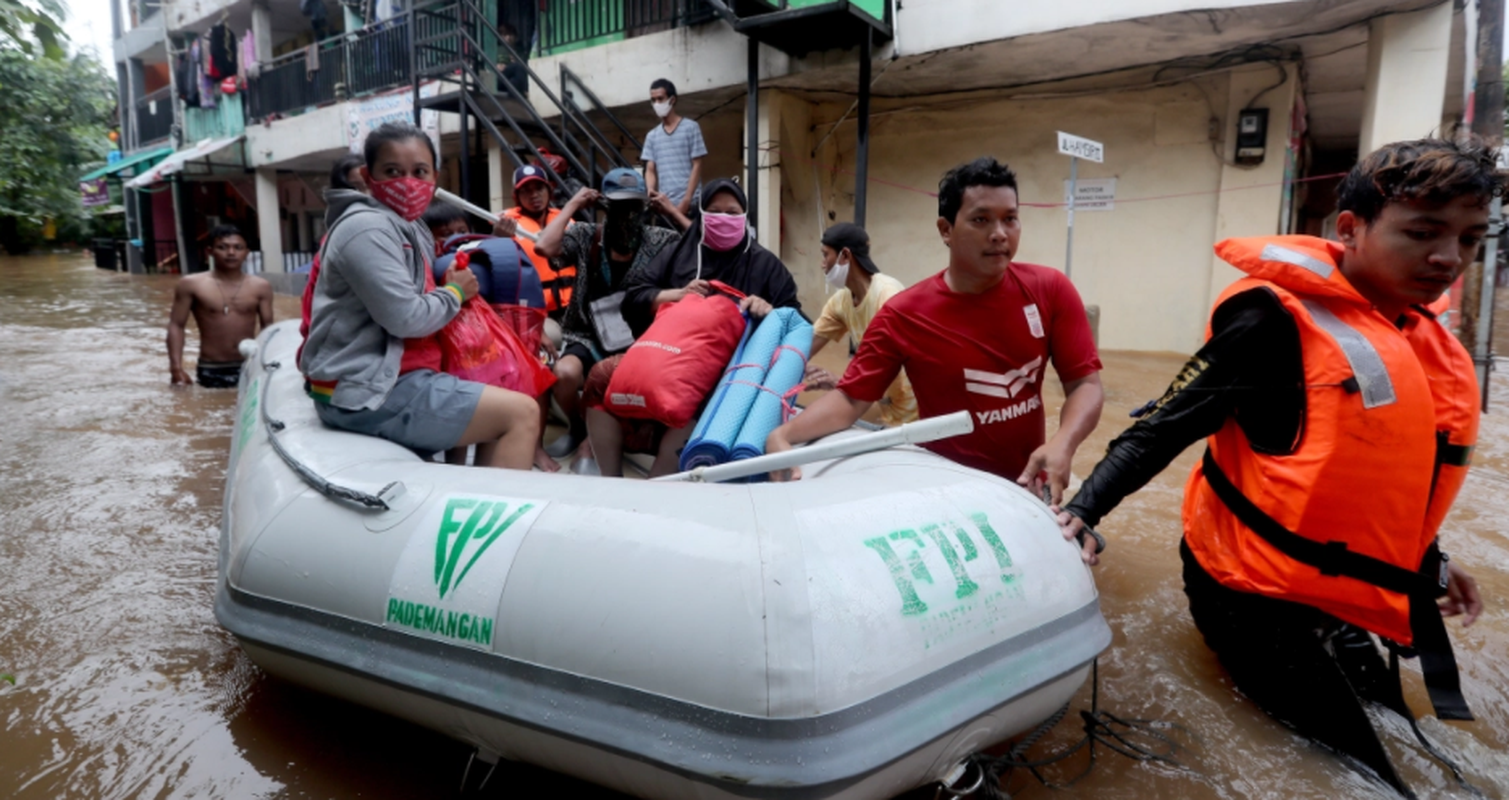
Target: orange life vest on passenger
pixel 1390 418
pixel 557 285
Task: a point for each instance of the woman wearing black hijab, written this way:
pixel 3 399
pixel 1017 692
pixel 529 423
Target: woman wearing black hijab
pixel 717 247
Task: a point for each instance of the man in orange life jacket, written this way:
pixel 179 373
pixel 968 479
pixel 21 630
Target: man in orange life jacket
pixel 1339 416
pixel 532 211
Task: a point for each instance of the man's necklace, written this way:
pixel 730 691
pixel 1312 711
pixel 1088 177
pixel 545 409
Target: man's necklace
pixel 226 308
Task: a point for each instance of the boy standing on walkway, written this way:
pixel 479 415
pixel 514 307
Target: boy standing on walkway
pixel 673 150
pixel 227 305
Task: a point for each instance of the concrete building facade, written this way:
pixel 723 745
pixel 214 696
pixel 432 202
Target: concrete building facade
pixel 1164 84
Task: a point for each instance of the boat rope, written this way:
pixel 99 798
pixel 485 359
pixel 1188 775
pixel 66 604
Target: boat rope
pixel 1137 739
pixel 315 481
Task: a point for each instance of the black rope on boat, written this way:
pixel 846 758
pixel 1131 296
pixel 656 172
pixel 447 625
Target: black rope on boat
pixel 1137 739
pixel 315 481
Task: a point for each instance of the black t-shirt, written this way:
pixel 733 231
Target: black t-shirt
pixel 1250 369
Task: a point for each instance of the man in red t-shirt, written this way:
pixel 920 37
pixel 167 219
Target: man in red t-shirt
pixel 977 337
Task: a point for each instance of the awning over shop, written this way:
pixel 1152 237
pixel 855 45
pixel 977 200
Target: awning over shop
pixel 145 158
pixel 174 163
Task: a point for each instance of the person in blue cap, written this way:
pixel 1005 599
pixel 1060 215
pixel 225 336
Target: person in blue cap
pixel 601 256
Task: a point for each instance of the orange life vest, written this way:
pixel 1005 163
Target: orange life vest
pixel 557 284
pixel 1390 418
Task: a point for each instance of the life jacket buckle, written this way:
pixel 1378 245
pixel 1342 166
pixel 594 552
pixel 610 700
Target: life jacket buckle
pixel 1444 575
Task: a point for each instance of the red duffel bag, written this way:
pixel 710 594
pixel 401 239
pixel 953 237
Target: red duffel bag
pixel 671 369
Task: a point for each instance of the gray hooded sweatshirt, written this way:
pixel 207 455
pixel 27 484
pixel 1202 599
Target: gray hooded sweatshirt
pixel 368 298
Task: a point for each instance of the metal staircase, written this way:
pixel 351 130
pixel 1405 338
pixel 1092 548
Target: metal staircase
pixel 457 45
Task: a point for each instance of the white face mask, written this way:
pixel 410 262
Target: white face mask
pixel 661 109
pixel 838 276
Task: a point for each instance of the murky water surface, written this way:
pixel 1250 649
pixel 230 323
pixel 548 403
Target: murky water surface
pixel 110 488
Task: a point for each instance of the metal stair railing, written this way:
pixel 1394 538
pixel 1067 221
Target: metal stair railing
pixel 574 118
pixel 449 46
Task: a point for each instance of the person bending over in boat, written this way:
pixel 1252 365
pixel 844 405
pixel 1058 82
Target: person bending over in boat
pixel 372 359
pixel 718 247
pixel 977 337
pixel 860 289
pixel 227 305
pixel 1339 416
pixel 601 255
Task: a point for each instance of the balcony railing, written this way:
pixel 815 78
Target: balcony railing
pixel 577 24
pixel 153 117
pixel 338 68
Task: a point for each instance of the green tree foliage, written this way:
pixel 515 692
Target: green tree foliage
pixel 26 27
pixel 56 117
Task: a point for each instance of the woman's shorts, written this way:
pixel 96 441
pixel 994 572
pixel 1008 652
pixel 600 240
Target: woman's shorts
pixel 426 411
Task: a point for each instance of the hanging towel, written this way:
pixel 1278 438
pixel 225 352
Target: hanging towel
pixel 311 60
pixel 248 62
pixel 199 51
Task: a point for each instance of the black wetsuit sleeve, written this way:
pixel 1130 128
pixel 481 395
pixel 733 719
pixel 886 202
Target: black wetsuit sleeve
pixel 1250 370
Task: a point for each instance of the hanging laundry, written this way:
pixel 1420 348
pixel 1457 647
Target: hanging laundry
pixel 311 60
pixel 202 83
pixel 221 55
pixel 248 56
pixel 186 79
pixel 319 19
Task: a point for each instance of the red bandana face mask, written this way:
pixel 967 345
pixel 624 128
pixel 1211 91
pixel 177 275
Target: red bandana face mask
pixel 408 197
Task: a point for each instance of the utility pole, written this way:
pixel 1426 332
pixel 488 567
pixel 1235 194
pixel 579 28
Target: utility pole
pixel 1476 329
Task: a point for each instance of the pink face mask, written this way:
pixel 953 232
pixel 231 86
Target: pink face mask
pixel 722 232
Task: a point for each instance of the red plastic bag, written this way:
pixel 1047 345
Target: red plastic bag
pixel 478 346
pixel 669 371
pixel 527 323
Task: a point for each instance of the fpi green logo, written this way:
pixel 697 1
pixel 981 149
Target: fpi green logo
pixel 464 534
pixel 468 537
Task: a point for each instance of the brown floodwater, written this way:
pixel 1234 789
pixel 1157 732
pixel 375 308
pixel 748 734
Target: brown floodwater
pixel 125 687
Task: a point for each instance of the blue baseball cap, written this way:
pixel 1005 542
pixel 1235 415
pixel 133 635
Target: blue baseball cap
pixel 623 183
pixel 527 173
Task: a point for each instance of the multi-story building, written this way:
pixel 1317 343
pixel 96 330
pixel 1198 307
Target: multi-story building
pixel 1218 118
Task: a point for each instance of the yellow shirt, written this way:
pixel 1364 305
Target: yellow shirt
pixel 841 317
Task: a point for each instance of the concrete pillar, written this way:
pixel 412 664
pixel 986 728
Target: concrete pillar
pixel 269 229
pixel 262 30
pixel 1250 198
pixel 767 161
pixel 499 193
pixel 1406 78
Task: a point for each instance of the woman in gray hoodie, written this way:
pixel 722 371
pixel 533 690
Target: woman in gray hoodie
pixel 372 358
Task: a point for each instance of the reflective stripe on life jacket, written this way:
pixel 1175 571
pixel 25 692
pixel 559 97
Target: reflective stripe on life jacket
pixel 1390 415
pixel 557 284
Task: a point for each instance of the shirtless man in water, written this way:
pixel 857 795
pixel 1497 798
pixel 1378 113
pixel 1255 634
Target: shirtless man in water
pixel 227 306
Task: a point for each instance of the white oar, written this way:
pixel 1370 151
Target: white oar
pixel 446 197
pixel 927 430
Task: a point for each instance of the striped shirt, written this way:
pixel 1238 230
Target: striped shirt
pixel 672 155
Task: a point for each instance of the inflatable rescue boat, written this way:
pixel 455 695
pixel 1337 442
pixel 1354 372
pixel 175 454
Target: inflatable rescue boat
pixel 854 634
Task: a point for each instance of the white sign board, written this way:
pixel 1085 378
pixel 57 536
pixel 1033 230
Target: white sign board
pixel 1092 194
pixel 1087 149
pixel 369 113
